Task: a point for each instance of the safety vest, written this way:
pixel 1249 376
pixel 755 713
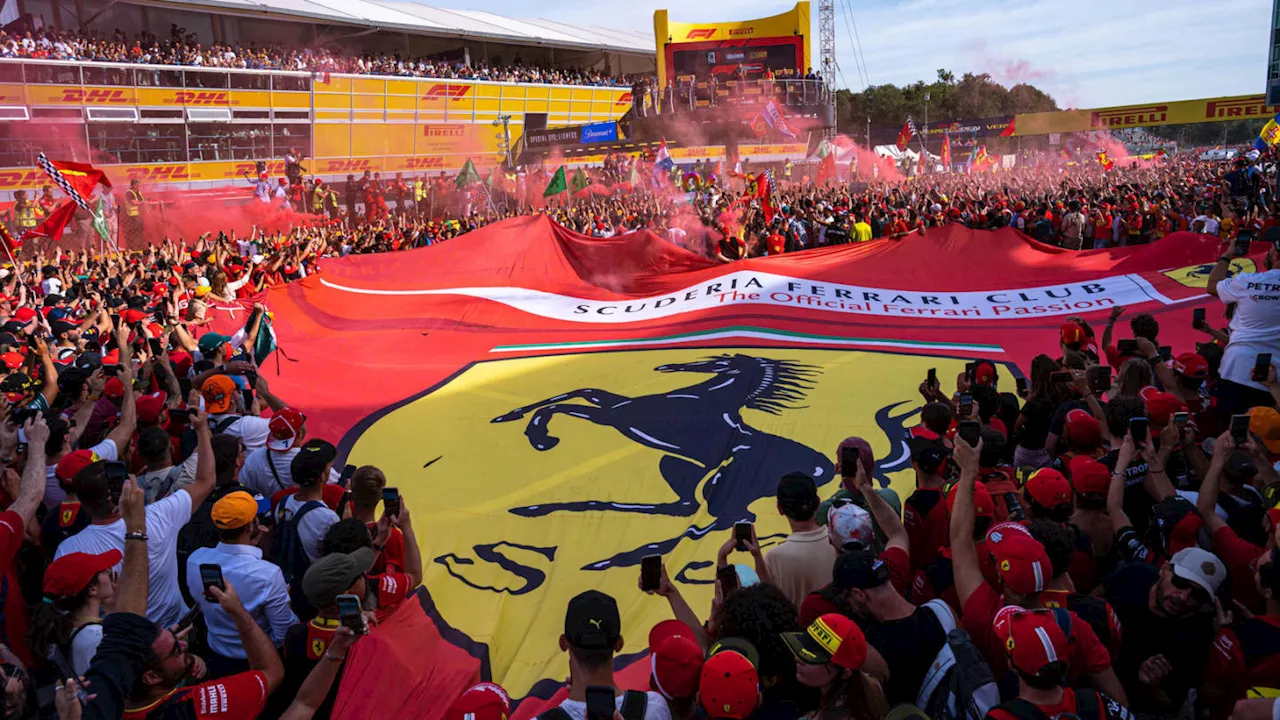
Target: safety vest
pixel 26 215
pixel 135 203
pixel 419 190
pixel 317 200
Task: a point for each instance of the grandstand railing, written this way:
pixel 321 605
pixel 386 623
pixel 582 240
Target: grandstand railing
pixel 702 95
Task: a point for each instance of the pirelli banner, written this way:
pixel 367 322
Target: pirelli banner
pixel 779 43
pixel 1182 112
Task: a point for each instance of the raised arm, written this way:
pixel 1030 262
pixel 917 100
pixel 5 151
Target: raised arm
pixel 888 521
pixel 1207 500
pixel 320 680
pixel 131 591
pixel 123 431
pixel 964 552
pixel 258 647
pixel 31 487
pixel 206 472
pixel 412 555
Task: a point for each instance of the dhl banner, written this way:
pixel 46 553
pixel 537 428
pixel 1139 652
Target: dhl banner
pixel 791 24
pixel 1244 107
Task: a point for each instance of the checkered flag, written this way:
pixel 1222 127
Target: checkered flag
pixel 58 177
pixel 911 127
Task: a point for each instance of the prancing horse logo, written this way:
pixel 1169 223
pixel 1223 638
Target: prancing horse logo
pixel 706 442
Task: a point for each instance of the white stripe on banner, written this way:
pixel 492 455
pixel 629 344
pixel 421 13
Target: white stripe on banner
pixel 746 288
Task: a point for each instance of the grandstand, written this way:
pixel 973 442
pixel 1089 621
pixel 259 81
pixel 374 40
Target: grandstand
pixel 193 94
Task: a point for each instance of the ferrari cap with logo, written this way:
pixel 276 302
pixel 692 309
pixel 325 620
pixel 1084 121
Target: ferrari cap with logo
pixel 832 638
pixel 591 621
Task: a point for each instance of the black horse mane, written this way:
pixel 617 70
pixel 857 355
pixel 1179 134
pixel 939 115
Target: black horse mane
pixel 783 383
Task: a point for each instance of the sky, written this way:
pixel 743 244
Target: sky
pixel 1085 53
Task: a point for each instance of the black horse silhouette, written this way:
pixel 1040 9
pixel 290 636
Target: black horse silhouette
pixel 706 441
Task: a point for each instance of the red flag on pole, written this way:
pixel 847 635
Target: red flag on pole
pixel 904 135
pixel 1106 162
pixel 55 224
pixel 1008 129
pixel 946 153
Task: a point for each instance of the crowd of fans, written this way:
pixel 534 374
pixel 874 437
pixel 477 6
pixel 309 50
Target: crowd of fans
pixel 185 49
pixel 1104 532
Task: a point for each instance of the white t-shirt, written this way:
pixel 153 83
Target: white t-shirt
pixel 253 431
pixel 1210 224
pixel 314 524
pixel 53 492
pixel 51 286
pixel 85 646
pixel 164 519
pixel 1255 327
pixel 656 710
pixel 257 476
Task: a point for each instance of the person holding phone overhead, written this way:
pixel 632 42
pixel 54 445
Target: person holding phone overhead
pixel 1253 329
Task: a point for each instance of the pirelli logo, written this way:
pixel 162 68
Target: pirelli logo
pixel 1130 117
pixel 94 96
pixel 444 131
pixel 1238 108
pixel 446 92
pixel 739 32
pixel 701 34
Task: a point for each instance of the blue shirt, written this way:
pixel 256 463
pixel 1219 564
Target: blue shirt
pixel 261 588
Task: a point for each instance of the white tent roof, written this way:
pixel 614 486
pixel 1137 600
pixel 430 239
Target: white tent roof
pixel 415 17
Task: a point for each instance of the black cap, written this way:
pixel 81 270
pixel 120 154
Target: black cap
pixel 861 569
pixel 61 326
pixel 89 361
pixel 591 621
pixel 312 458
pixel 928 454
pixel 1240 467
pixel 798 488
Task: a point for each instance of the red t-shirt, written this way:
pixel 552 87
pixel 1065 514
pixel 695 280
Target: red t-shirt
pixel 242 695
pixel 1085 653
pixel 15 609
pixel 393 588
pixel 391 559
pixel 924 515
pixel 1238 555
pixel 1066 705
pixel 1230 673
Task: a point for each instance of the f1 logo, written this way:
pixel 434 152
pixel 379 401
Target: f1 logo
pixel 701 34
pixel 441 92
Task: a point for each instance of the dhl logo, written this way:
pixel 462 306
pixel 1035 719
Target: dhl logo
pixel 95 96
pixel 193 97
pixel 334 166
pixel 20 178
pixel 1130 117
pixel 424 163
pixel 444 131
pixel 738 32
pixel 159 173
pixel 1241 107
pixel 701 34
pixel 274 167
pixel 446 92
pixel 623 99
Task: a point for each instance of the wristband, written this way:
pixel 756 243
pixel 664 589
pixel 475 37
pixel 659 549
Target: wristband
pixel 1225 259
pixel 136 536
pixel 378 548
pixel 330 656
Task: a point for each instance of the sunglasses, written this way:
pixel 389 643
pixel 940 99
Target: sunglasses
pixel 1197 592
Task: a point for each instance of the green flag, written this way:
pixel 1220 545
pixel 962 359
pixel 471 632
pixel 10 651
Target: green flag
pixel 468 176
pixel 557 184
pixel 100 221
pixel 580 181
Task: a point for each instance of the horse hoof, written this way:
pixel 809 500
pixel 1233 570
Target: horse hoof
pixel 513 415
pixel 545 443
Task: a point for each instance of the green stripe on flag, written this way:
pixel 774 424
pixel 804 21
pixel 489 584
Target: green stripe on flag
pixel 752 332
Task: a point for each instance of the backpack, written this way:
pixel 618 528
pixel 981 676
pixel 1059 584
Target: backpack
pixel 634 706
pixel 1090 705
pixel 292 557
pixel 958 684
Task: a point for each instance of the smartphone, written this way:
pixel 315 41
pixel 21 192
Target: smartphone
pixel 728 577
pixel 1197 317
pixel 345 478
pixel 1240 429
pixel 211 575
pixel 849 460
pixel 601 702
pixel 650 572
pixel 933 376
pixel 965 408
pixel 391 501
pixel 1166 352
pixel 1101 379
pixel 742 533
pixel 351 614
pixel 970 370
pixel 189 619
pixel 156 348
pixel 1022 386
pixel 1127 347
pixel 1060 376
pixel 1261 367
pixel 970 431
pixel 1181 418
pixel 1242 246
pixel 1138 428
pixel 116 473
pixel 110 370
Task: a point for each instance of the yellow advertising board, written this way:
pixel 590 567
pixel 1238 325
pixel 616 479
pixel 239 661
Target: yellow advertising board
pixel 791 24
pixel 1243 107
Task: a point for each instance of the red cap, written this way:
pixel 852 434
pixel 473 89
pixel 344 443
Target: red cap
pixel 112 358
pixel 982 503
pixel 133 315
pixel 1049 488
pixel 1089 475
pixel 114 389
pixel 730 684
pixel 73 463
pixel 12 360
pixel 1162 405
pixel 1191 365
pixel 1021 560
pixel 1072 333
pixel 284 427
pixel 71 573
pixel 483 701
pixel 676 660
pixel 24 314
pixel 1082 428
pixel 984 374
pixel 1032 639
pixel 181 362
pixel 150 407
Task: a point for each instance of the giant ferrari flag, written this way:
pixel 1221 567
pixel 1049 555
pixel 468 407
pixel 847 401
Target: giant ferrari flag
pixel 555 407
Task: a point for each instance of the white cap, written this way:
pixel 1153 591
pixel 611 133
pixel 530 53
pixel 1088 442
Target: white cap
pixel 202 281
pixel 849 523
pixel 257 259
pixel 1200 567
